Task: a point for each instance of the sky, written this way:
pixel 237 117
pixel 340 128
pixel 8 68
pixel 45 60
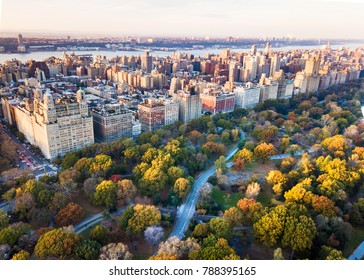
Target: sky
pixel 172 18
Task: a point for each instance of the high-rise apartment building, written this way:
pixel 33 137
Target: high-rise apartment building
pixel 247 96
pixel 217 101
pixel 56 125
pixel 111 122
pixel 190 106
pixel 154 114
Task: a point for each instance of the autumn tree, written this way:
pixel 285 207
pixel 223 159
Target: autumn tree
pixel 252 210
pixel 115 251
pixel 245 155
pixel 329 253
pixel 202 230
pixel 143 217
pixel 57 244
pixel 263 151
pixel 323 205
pixel 179 248
pixel 69 215
pixel 154 180
pixel 252 190
pixel 278 180
pixel 126 191
pixel 220 165
pixel 105 194
pixel 100 165
pixel 21 256
pixel 11 234
pixel 299 233
pixel 220 227
pixel 215 249
pixel 175 173
pixel 99 234
pixel 277 254
pixel 234 216
pixel 154 235
pixel 336 145
pixel 182 187
pixel 163 256
pixel 270 227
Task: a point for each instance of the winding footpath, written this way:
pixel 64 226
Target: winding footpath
pixel 186 211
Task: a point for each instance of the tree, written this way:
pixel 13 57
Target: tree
pixel 4 252
pixel 220 227
pixel 58 201
pixel 323 205
pixel 99 234
pixel 154 235
pixel 4 219
pixel 299 194
pixel 69 215
pixel 245 155
pixel 21 256
pixel 234 216
pixel 278 255
pixel 182 187
pixel 216 249
pixel 270 227
pixel 329 253
pixel 57 244
pixel 252 190
pixel 105 194
pixel 175 173
pixel 278 180
pixel 87 250
pixel 23 205
pixel 154 180
pixel 143 217
pixel 163 256
pixel 69 160
pixel 336 145
pixel 100 165
pixel 299 233
pixel 195 136
pixel 220 164
pixel 90 184
pixel 179 248
pixel 239 164
pixel 11 234
pixel 201 230
pixel 263 151
pixel 126 191
pixel 252 210
pixel 115 251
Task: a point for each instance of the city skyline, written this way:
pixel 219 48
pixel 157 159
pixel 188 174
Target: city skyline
pixel 319 19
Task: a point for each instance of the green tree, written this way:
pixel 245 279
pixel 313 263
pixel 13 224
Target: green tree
pixel 175 173
pixel 220 227
pixel 87 250
pixel 220 164
pixel 4 219
pixel 11 234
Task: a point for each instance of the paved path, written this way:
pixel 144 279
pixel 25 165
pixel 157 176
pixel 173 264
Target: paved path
pixel 188 209
pixel 358 253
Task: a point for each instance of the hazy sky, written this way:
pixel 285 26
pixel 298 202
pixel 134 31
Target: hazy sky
pixel 244 18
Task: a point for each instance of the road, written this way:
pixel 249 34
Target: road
pixel 7 206
pixel 358 254
pixel 187 210
pixel 27 158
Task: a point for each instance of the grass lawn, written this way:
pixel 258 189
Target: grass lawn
pixel 225 200
pixel 264 198
pixel 358 237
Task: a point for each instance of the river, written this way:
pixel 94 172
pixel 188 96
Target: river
pixel 39 56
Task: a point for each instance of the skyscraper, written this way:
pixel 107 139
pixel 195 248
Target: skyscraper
pixel 253 50
pixel 147 62
pixel 20 40
pixel 275 64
